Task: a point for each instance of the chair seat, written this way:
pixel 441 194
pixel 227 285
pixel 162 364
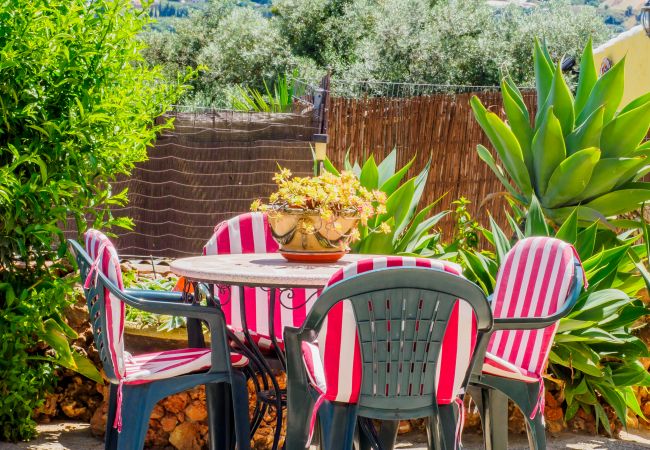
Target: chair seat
pixel 493 365
pixel 161 365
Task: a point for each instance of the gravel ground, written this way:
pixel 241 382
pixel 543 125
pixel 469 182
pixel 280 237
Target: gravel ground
pixel 76 436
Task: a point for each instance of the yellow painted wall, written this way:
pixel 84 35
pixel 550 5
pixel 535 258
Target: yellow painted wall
pixel 636 45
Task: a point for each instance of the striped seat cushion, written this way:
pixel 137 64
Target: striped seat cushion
pixel 493 365
pixel 250 233
pixel 333 363
pixel 534 281
pixel 161 365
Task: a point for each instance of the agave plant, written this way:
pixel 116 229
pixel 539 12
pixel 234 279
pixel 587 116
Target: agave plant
pixel 595 356
pixel 278 100
pixel 580 151
pixel 412 231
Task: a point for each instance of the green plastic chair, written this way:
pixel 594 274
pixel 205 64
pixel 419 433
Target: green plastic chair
pixel 415 303
pixel 137 399
pixel 539 282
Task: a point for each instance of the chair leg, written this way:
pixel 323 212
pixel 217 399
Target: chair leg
pixel 240 411
pixel 537 432
pixel 218 399
pixel 339 421
pixel 388 434
pixel 495 419
pixel 111 436
pixel 300 404
pixel 434 437
pixel 448 425
pixel 367 437
pixel 136 401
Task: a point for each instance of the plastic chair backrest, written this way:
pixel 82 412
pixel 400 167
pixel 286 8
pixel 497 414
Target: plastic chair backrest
pixel 105 310
pixel 407 317
pixel 537 277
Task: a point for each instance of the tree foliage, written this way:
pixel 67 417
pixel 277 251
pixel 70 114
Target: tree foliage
pixel 77 108
pixel 421 41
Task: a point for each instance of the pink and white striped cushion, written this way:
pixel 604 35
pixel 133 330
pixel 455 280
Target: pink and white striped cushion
pixel 250 233
pixel 334 363
pixel 161 365
pixel 534 281
pixel 105 259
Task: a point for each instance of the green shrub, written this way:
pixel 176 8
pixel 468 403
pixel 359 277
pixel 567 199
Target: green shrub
pixel 77 108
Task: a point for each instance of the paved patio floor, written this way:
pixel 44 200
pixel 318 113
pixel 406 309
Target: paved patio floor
pixel 76 436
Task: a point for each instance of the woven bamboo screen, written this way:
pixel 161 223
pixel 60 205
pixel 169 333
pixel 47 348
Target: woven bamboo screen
pixel 210 167
pixel 440 127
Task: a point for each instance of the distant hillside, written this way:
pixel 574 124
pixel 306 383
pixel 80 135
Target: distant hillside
pixel 622 4
pixel 621 14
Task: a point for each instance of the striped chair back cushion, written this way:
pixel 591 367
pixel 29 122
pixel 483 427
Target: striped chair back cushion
pixel 105 259
pixel 533 281
pixel 339 346
pixel 250 233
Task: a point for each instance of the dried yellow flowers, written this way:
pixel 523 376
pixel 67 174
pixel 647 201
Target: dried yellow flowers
pixel 328 195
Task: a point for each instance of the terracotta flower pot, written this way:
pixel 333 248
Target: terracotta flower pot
pixel 304 236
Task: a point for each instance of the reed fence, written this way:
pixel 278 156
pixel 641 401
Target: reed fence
pixel 439 128
pixel 210 167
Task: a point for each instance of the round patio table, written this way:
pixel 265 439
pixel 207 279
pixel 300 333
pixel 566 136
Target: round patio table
pixel 268 271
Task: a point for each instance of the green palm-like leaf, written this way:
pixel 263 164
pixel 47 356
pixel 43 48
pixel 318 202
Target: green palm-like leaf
pixel 568 232
pixel 641 100
pixel 535 220
pixel 588 78
pixel 510 153
pixel 560 99
pixel 548 151
pixel 487 157
pixel 606 174
pixel 622 135
pixel 386 168
pixel 501 242
pixel 607 91
pixel 587 134
pixel 369 174
pixel 619 202
pixel 393 182
pixel 543 75
pixel 570 178
pixel 519 120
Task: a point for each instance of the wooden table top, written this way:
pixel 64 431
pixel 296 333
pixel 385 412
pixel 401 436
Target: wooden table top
pixel 259 269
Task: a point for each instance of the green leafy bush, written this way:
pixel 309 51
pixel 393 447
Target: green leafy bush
pixel 580 152
pixel 77 108
pixel 412 230
pixel 417 41
pixel 595 353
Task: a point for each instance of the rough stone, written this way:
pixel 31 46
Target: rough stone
pixel 176 403
pixel 98 421
pixel 168 423
pixel 187 436
pixel 158 412
pixel 196 411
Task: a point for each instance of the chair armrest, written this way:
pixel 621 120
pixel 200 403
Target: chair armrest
pixel 296 375
pixel 214 317
pixel 163 296
pixel 535 323
pixel 532 323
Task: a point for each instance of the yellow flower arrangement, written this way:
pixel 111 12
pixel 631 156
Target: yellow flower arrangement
pixel 327 195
